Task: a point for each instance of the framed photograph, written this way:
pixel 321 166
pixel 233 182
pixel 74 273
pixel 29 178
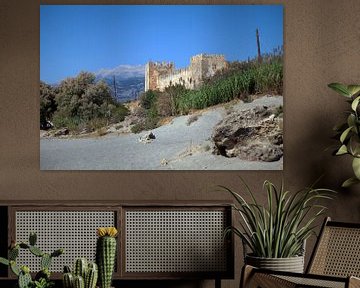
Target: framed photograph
pixel 161 87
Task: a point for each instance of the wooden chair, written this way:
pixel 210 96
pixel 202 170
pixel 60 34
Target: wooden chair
pixel 334 263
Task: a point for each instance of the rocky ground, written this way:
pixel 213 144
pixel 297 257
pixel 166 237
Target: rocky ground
pixel 232 136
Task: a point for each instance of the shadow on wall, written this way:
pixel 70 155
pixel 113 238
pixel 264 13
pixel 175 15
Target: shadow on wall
pixel 333 170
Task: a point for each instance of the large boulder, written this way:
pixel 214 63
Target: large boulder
pixel 254 135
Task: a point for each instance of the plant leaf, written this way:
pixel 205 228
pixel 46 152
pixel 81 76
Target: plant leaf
pixel 356 167
pixel 279 228
pixel 349 182
pixel 345 134
pixel 342 150
pixel 4 261
pixel 354 90
pixel 354 143
pixel 355 103
pixel 340 88
pixel 351 120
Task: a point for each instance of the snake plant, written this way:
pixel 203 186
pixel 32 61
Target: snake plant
pixel 349 132
pixel 279 228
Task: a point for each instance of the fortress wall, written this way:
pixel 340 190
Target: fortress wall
pixel 211 64
pixel 181 76
pixel 158 76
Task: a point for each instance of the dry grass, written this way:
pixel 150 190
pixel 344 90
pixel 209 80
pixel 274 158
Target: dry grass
pixel 101 132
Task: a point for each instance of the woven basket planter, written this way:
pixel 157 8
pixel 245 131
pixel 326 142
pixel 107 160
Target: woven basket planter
pixel 291 264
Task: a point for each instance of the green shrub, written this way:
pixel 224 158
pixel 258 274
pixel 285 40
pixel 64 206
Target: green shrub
pixel 256 79
pixel 81 103
pixel 148 99
pixel 62 121
pixel 48 104
pixel 118 113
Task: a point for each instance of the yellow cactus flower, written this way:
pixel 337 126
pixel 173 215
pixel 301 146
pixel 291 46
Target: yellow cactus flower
pixel 106 231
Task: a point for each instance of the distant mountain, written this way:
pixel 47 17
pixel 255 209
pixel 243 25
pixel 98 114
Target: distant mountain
pixel 129 81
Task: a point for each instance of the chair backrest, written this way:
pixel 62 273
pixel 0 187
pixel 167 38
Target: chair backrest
pixel 337 251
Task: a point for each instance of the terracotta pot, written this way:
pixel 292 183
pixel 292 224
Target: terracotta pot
pixel 291 264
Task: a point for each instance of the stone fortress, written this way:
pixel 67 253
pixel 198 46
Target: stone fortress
pixel 158 75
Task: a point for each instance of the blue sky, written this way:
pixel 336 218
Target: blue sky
pixel 76 38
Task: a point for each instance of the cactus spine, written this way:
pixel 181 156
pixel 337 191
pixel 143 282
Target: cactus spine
pixel 106 254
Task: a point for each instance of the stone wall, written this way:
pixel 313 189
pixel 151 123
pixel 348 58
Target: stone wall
pixel 158 76
pixel 180 76
pixel 153 70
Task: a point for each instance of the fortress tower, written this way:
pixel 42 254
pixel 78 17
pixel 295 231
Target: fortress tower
pixel 153 70
pixel 158 76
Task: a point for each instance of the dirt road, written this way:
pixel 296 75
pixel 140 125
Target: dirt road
pixel 177 147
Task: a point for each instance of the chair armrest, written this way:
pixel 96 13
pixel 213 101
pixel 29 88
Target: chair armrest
pixel 252 277
pixel 246 273
pixel 354 282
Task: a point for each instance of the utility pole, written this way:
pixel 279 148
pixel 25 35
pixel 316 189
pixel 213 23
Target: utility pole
pixel 258 45
pixel 115 88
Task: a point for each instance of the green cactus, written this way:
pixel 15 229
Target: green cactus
pixel 45 261
pixel 25 269
pixel 67 269
pixel 36 251
pixel 91 276
pixel 105 258
pixel 57 252
pixel 68 280
pixel 42 278
pixel 80 267
pixel 24 280
pixel 79 282
pixel 87 272
pixel 4 261
pixel 32 238
pixel 14 268
pixel 13 253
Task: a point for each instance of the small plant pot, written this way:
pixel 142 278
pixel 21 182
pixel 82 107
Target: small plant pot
pixel 291 264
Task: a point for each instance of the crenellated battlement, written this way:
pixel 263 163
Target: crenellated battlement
pixel 207 56
pixel 159 75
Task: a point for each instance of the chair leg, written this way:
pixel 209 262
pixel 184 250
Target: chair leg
pixel 217 283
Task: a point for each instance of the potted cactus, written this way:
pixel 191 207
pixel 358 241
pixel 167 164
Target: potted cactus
pixel 42 278
pixel 84 275
pixel 106 254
